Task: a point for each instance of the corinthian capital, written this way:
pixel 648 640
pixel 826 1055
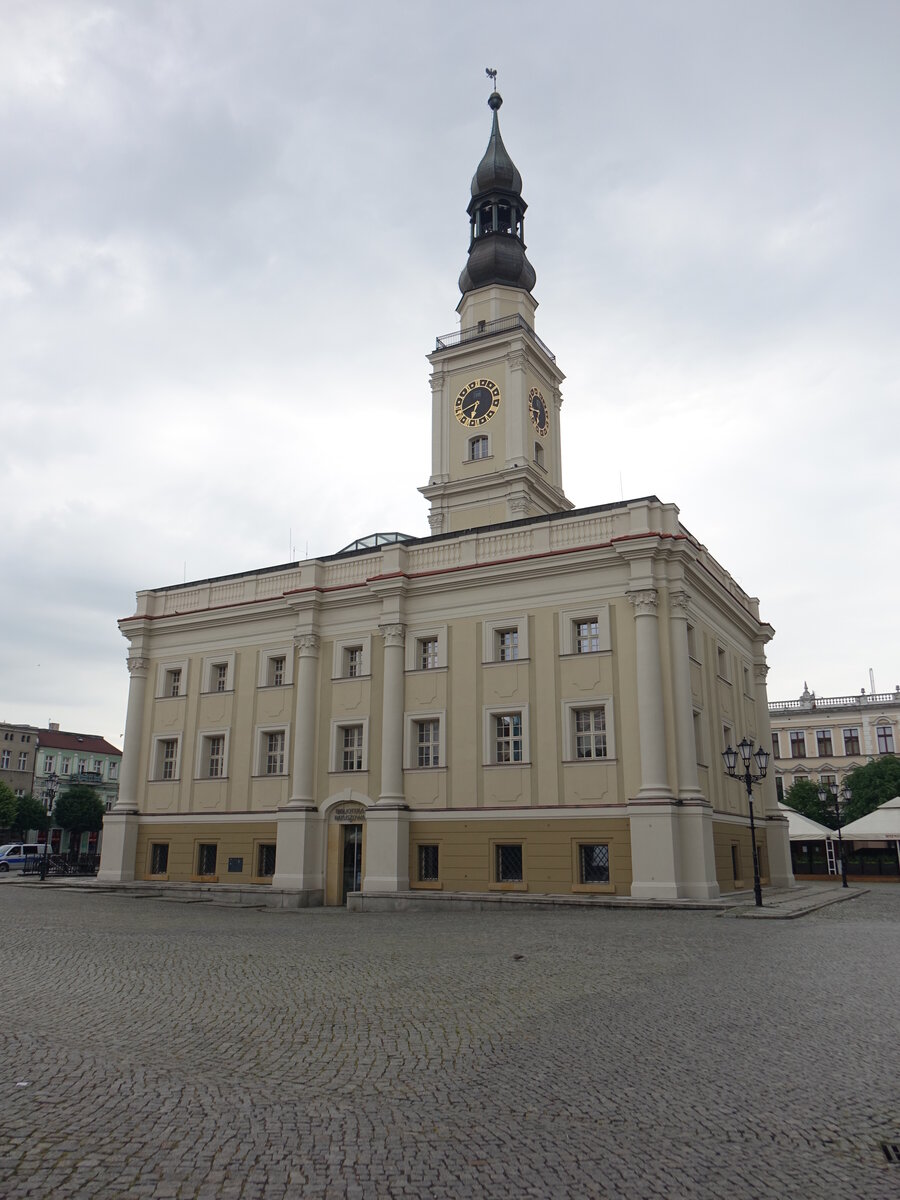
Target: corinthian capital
pixel 760 671
pixel 137 664
pixel 394 635
pixel 645 602
pixel 307 644
pixel 679 601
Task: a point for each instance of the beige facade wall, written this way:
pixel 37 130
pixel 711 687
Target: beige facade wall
pixel 728 835
pixel 464 591
pixel 234 840
pixel 467 851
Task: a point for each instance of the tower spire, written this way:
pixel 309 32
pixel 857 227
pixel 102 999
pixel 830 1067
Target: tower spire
pixel 496 216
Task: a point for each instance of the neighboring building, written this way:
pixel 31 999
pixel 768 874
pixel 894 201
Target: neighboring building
pixel 533 699
pixel 824 738
pixel 65 758
pixel 18 746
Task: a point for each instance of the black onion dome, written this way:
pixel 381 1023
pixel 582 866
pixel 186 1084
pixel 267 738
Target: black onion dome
pixel 497 216
pixel 496 169
pixel 497 260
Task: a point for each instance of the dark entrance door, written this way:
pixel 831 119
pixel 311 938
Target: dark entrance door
pixel 352 880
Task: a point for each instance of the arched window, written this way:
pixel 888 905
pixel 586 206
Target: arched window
pixel 478 447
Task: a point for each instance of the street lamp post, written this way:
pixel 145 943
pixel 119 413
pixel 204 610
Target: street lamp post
pixel 761 758
pixel 831 791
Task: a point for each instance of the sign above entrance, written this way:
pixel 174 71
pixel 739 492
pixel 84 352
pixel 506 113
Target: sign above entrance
pixel 349 813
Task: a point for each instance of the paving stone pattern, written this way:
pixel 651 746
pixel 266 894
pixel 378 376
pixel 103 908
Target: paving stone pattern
pixel 166 1050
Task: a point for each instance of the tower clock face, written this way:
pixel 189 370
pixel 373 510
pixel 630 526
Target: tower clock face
pixel 477 402
pixel 537 406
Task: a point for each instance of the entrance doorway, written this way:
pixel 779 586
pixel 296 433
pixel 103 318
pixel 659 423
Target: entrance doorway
pixel 352 860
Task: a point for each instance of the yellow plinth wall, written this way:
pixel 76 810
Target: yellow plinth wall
pixel 734 857
pixel 232 840
pixel 466 853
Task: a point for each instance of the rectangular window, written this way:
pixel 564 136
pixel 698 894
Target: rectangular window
pixel 427 864
pixel 98 766
pixel 4 760
pixel 508 863
pixel 779 789
pixel 82 766
pixel 539 454
pixel 824 747
pixel 776 746
pixel 23 759
pixel 727 736
pixel 353 661
pixel 428 743
pixel 352 748
pixel 265 860
pixel 214 756
pixel 275 671
pixel 166 758
pixel 507 645
pixel 798 743
pixel 828 779
pixel 220 677
pixel 159 858
pixel 885 737
pixel 590 732
pixel 428 653
pixel 851 741
pixel 587 636
pixel 206 858
pixel 508 738
pixel 593 863
pixel 478 448
pixel 721 663
pixel 114 770
pixel 173 682
pixel 747 691
pixel 64 766
pixel 49 760
pixel 274 758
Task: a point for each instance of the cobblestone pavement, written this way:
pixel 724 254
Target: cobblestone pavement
pixel 164 1049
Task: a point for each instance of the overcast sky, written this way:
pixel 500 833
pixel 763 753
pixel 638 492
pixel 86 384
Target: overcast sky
pixel 230 231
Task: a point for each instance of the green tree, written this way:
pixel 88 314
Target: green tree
pixel 8 805
pixel 30 814
pixel 803 797
pixel 872 785
pixel 78 809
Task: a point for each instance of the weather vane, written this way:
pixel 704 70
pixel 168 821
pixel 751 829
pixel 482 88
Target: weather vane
pixel 491 73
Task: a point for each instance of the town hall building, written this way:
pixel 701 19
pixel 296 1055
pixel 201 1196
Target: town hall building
pixel 532 699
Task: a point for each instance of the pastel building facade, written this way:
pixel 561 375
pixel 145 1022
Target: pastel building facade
pixel 533 699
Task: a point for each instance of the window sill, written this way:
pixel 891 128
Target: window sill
pixel 346 771
pixel 265 879
pixel 436 886
pixel 174 779
pixel 418 770
pixel 158 878
pixel 597 889
pixel 216 692
pixel 204 879
pixel 502 766
pixel 519 886
pixel 211 778
pixel 350 678
pixel 503 662
pixel 271 775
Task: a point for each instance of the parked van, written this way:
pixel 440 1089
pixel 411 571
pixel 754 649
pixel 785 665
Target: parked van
pixel 15 853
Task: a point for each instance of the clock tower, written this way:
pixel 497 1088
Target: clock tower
pixel 495 442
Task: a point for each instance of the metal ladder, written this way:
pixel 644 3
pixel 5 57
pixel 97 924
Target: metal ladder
pixel 830 857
